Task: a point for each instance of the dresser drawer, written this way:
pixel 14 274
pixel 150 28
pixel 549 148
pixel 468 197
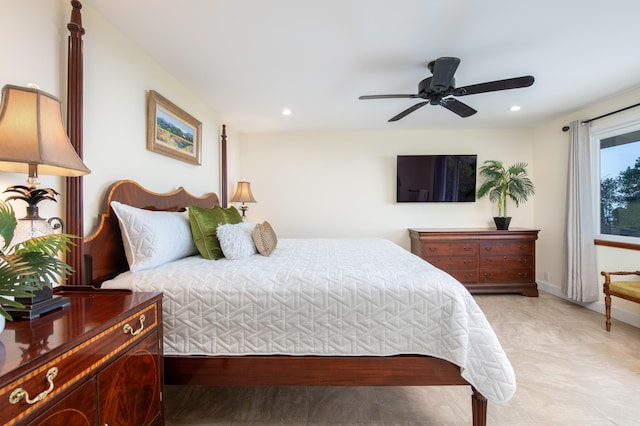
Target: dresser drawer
pixel 429 249
pixel 506 247
pixel 77 409
pixel 453 262
pixel 59 375
pixel 506 261
pixel 129 331
pixel 507 276
pixel 464 276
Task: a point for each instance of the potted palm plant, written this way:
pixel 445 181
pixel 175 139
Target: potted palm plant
pixel 28 266
pixel 501 184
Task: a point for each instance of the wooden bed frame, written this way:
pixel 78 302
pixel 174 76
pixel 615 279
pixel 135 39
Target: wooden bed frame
pixel 105 258
pixel 101 256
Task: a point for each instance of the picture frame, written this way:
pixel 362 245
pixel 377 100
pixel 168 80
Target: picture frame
pixel 171 131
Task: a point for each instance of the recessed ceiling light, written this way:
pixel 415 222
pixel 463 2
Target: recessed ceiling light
pixel 515 108
pixel 286 111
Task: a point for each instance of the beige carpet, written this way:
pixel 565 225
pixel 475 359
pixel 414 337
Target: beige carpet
pixel 569 370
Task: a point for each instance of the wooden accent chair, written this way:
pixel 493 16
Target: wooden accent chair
pixel 629 290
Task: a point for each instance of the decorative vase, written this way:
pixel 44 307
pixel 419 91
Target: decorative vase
pixel 502 223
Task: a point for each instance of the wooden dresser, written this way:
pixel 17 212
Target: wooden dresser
pixel 484 260
pixel 96 362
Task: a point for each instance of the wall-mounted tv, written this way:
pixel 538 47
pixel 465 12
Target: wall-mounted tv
pixel 436 178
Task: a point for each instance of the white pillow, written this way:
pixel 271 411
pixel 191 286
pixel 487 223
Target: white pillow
pixel 235 240
pixel 153 238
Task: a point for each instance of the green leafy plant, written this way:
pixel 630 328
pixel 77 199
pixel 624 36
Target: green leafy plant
pixel 30 265
pixel 501 183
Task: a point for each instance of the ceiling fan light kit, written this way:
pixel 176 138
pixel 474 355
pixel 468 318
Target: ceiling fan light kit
pixel 439 89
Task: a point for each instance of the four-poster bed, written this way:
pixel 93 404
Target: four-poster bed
pixel 104 258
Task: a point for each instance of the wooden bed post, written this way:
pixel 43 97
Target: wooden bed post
pixel 223 168
pixel 478 408
pixel 73 200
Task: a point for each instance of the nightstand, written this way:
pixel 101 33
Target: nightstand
pixel 97 361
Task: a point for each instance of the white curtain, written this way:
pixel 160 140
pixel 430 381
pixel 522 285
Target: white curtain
pixel 580 281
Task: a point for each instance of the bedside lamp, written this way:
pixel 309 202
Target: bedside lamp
pixel 32 136
pixel 243 195
pixel 33 140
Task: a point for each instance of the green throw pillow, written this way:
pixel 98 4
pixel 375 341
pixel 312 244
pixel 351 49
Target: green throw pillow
pixel 204 223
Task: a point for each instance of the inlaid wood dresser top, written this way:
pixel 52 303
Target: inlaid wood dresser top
pixel 483 260
pixel 98 361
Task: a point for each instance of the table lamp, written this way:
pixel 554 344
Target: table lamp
pixel 33 140
pixel 243 195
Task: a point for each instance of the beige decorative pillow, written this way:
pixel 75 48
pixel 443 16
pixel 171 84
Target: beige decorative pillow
pixel 264 238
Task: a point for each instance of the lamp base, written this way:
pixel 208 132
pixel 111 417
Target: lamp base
pixel 40 304
pixel 244 209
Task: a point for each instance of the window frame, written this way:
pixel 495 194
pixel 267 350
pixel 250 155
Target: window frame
pixel 626 123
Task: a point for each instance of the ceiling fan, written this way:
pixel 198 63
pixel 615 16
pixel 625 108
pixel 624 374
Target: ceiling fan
pixel 440 89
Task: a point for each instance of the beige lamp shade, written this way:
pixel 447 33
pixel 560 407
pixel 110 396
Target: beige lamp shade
pixel 32 134
pixel 243 193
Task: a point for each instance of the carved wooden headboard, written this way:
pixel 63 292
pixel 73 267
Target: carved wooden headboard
pixel 103 250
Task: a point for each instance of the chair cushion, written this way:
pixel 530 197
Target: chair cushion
pixel 628 288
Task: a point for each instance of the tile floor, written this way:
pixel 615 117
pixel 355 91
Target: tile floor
pixel 569 370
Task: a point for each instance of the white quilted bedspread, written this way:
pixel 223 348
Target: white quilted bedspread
pixel 326 297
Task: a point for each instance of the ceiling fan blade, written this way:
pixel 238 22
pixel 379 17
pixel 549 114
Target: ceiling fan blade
pixel 408 111
pixel 494 86
pixel 443 71
pixel 455 106
pixel 397 96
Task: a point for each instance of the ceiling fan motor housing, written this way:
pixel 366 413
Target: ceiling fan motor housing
pixel 436 89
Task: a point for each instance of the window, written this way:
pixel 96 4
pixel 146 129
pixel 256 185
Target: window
pixel 618 182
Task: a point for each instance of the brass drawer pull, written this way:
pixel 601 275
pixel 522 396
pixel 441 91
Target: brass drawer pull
pixel 20 393
pixel 128 329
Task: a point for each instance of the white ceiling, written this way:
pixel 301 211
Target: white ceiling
pixel 249 59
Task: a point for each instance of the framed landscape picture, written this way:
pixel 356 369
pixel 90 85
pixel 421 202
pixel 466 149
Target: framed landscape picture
pixel 172 131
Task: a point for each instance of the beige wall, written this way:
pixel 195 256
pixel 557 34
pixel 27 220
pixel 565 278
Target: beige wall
pixel 308 184
pixel 333 184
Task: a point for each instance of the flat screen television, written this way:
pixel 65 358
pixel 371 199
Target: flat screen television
pixel 436 178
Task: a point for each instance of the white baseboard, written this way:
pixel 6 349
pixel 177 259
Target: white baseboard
pixel 631 318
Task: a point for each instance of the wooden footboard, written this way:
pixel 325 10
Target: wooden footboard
pixel 401 370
